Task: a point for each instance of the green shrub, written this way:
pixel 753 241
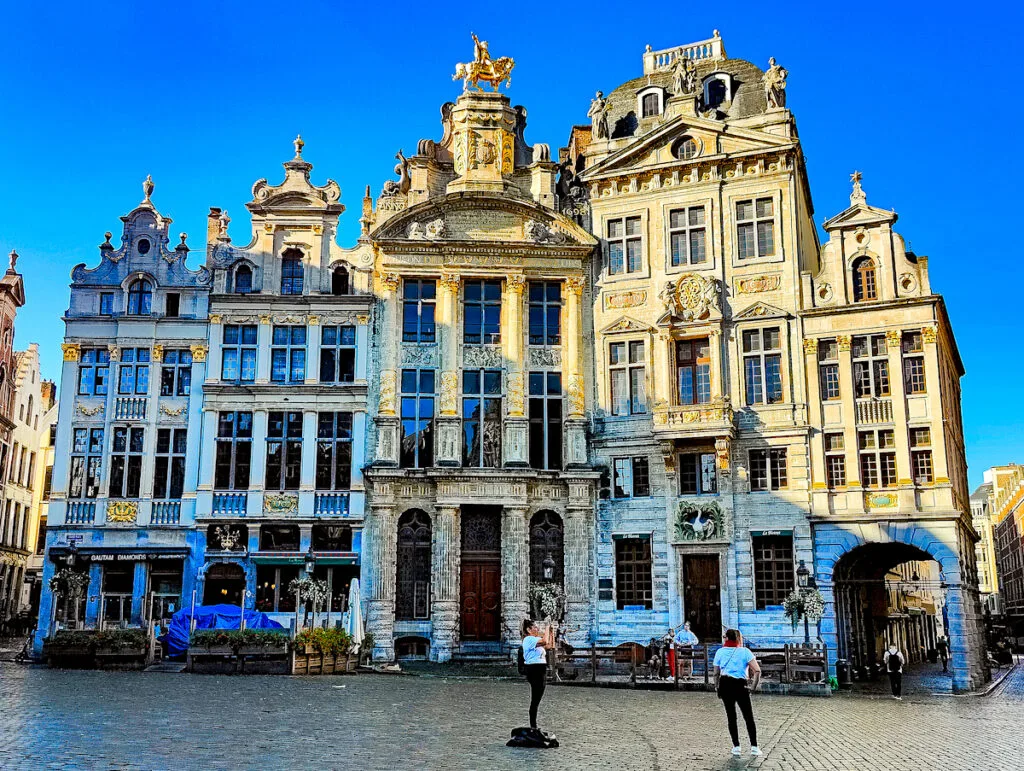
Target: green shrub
pixel 122 639
pixel 239 638
pixel 331 642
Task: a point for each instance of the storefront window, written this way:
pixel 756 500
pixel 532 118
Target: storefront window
pixel 165 589
pixel 118 580
pixel 273 588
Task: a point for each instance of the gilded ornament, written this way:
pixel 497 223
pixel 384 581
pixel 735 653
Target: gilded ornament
pixel 515 283
pixel 575 284
pixel 198 353
pixel 72 351
pixel 483 69
pixel 928 334
pixel 216 318
pixel 312 320
pixel 810 346
pixel 280 504
pixel 577 403
pixel 122 511
pixel 881 500
pixel 507 151
pixel 722 448
pixel 265 318
pixel 451 282
pixel 318 230
pixel 173 412
pixel 893 338
pixel 843 341
pixel 692 297
pixel 389 281
pixel 114 351
pixel 158 352
pixel 89 411
pixel 362 319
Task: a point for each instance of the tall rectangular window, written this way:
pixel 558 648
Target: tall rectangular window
pixel 870 366
pixel 418 394
pixel 627 369
pixel 291 275
pixel 169 463
pixel 86 462
pixel 755 228
pixel 93 371
pixel 634 576
pixel 632 478
pixel 126 461
pixel 545 409
pixel 106 303
pixel 913 363
pixel 481 418
pixel 284 450
pixel 698 474
pixel 545 313
pixel 625 246
pixel 419 296
pixel 337 354
pixel 762 366
pixel 334 451
pixel 693 371
pixel 176 372
pixel 921 455
pixel 687 236
pixel 774 576
pixel 238 362
pixel 133 372
pixel 288 354
pixel 481 312
pixel 828 369
pixel 234 451
pixel 835 461
pixel 173 305
pixel 877 450
pixel 768 469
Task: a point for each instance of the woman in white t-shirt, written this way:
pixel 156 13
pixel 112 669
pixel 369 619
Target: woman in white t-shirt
pixel 734 665
pixel 535 658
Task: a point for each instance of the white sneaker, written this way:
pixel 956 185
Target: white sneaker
pixel 756 751
pixel 737 751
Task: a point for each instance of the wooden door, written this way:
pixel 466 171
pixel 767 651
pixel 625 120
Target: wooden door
pixel 702 596
pixel 481 601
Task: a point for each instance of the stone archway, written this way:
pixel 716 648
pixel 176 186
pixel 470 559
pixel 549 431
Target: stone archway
pixel 849 555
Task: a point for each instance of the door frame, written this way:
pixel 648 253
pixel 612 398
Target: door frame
pixel 478 562
pixel 720 551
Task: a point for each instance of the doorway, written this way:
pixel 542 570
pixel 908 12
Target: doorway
pixel 481 574
pixel 702 596
pixel 225 582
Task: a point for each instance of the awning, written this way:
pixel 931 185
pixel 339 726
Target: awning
pixel 120 553
pixel 298 558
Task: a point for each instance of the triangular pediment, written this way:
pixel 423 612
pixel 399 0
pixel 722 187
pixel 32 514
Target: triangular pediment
pixel 484 218
pixel 647 150
pixel 626 324
pixel 861 215
pixel 760 310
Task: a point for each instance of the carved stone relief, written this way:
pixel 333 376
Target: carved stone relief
pixel 483 356
pixel 545 357
pixel 692 297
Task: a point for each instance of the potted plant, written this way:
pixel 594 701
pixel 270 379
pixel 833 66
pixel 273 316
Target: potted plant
pixel 121 647
pixel 311 591
pixel 804 603
pixel 70 648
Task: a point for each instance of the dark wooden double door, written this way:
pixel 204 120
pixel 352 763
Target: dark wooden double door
pixel 481 574
pixel 702 596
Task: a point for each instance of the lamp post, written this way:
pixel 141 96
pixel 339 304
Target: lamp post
pixel 805 581
pixel 309 563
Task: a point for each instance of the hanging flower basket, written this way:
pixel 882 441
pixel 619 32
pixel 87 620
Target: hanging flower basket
pixel 803 603
pixel 547 602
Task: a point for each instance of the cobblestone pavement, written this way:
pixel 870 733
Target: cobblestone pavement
pixel 96 720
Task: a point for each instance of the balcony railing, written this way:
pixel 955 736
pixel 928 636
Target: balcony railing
pixel 81 512
pixel 331 504
pixel 229 503
pixel 703 50
pixel 166 513
pixel 130 408
pixel 715 417
pixel 874 411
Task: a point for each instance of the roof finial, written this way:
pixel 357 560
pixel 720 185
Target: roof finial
pixel 299 144
pixel 858 195
pixel 14 260
pixel 147 189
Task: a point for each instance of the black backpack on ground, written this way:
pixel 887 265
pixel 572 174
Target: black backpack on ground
pixel 521 661
pixel 532 738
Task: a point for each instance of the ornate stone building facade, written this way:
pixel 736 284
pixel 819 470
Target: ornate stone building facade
pixel 12 553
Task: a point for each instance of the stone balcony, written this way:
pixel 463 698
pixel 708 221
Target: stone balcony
pixel 873 410
pixel 693 420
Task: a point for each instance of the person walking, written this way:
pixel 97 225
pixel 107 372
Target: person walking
pixel 734 666
pixel 535 658
pixel 942 647
pixel 893 660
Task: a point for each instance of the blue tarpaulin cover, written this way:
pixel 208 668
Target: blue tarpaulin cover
pixel 211 617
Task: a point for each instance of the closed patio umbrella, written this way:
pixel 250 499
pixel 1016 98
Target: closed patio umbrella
pixel 355 614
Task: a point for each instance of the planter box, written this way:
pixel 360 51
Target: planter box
pixel 319 664
pixel 127 658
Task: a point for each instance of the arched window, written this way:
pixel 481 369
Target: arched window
pixel 140 298
pixel 412 580
pixel 291 272
pixel 651 105
pixel 865 285
pixel 243 279
pixel 339 281
pixel 546 546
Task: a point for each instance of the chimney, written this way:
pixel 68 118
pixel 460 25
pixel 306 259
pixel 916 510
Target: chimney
pixel 212 226
pixel 47 393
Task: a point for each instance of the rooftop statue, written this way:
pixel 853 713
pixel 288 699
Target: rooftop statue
pixel 775 85
pixel 684 74
pixel 483 68
pixel 598 114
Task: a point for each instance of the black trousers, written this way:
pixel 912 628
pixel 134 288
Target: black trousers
pixel 537 676
pixel 734 692
pixel 896 681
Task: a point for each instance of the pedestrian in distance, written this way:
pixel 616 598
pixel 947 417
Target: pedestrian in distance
pixel 535 658
pixel 893 660
pixel 735 668
pixel 942 648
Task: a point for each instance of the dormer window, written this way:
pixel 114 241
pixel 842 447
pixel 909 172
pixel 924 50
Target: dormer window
pixel 143 246
pixel 651 102
pixel 865 285
pixel 717 90
pixel 243 280
pixel 339 281
pixel 140 298
pixel 291 272
pixel 650 105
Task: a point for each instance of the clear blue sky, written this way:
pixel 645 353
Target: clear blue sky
pixel 207 97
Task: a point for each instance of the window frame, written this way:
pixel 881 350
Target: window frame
pixel 864 277
pixel 167 462
pixel 177 363
pixel 634 371
pixel 544 306
pixel 835 460
pixel 761 357
pixel 775 575
pixel 92 363
pixel 877 458
pixel 422 401
pixel 697 368
pixel 755 221
pixel 700 462
pixel 293 270
pixel 88 460
pixel 487 416
pixel 423 332
pixel 634 573
pixel 293 353
pixel 686 230
pixel 486 307
pixel 334 444
pixel 235 441
pixel 633 468
pixel 340 353
pixel 623 240
pixel 829 378
pixel 283 456
pixel 542 399
pixel 776 476
pixel 126 462
pixel 133 369
pixel 242 350
pixel 140 297
pixel 871 369
pixel 922 463
pixel 915 379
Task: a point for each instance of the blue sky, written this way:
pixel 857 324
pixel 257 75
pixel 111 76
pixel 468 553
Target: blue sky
pixel 207 98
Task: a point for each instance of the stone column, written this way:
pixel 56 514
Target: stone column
pixel 448 445
pixel 664 364
pixel 380 604
pixel 572 366
pixel 515 570
pixel 216 351
pixel 446 562
pixel 312 349
pixel 578 528
pixel 854 498
pixel 819 494
pixel 515 448
pixel 264 339
pixel 904 471
pixel 387 408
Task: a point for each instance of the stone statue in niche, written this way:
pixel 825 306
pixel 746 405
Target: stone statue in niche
pixel 775 85
pixel 401 187
pixel 598 114
pixel 684 74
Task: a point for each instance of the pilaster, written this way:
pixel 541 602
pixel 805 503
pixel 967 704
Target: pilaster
pixel 515 571
pixel 904 472
pixel 854 499
pixel 514 446
pixel 263 339
pixel 578 528
pixel 446 559
pixel 940 467
pixel 380 606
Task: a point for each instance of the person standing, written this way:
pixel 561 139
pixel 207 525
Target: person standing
pixel 685 640
pixel 734 666
pixel 893 661
pixel 942 647
pixel 535 658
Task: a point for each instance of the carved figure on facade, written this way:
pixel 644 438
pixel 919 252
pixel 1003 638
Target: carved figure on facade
pixel 419 355
pixel 692 297
pixel 401 187
pixel 449 393
pixel 699 521
pixel 577 402
pixel 598 114
pixel 484 357
pixel 545 357
pixel 426 231
pixel 775 85
pixel 684 74
pixel 541 233
pixel 388 391
pixel 516 398
pixel 484 69
pixel 228 538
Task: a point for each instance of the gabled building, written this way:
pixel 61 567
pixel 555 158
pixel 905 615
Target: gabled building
pixel 123 496
pixel 12 553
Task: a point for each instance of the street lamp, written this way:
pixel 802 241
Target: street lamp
pixel 310 561
pixel 548 567
pixel 72 553
pixel 806 582
pixel 802 574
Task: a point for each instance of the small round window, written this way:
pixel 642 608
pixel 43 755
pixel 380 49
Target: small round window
pixel 143 246
pixel 686 149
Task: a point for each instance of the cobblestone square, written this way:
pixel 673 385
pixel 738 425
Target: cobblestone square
pixel 96 720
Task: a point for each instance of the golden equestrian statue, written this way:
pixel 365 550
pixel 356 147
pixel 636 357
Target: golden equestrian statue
pixel 483 68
